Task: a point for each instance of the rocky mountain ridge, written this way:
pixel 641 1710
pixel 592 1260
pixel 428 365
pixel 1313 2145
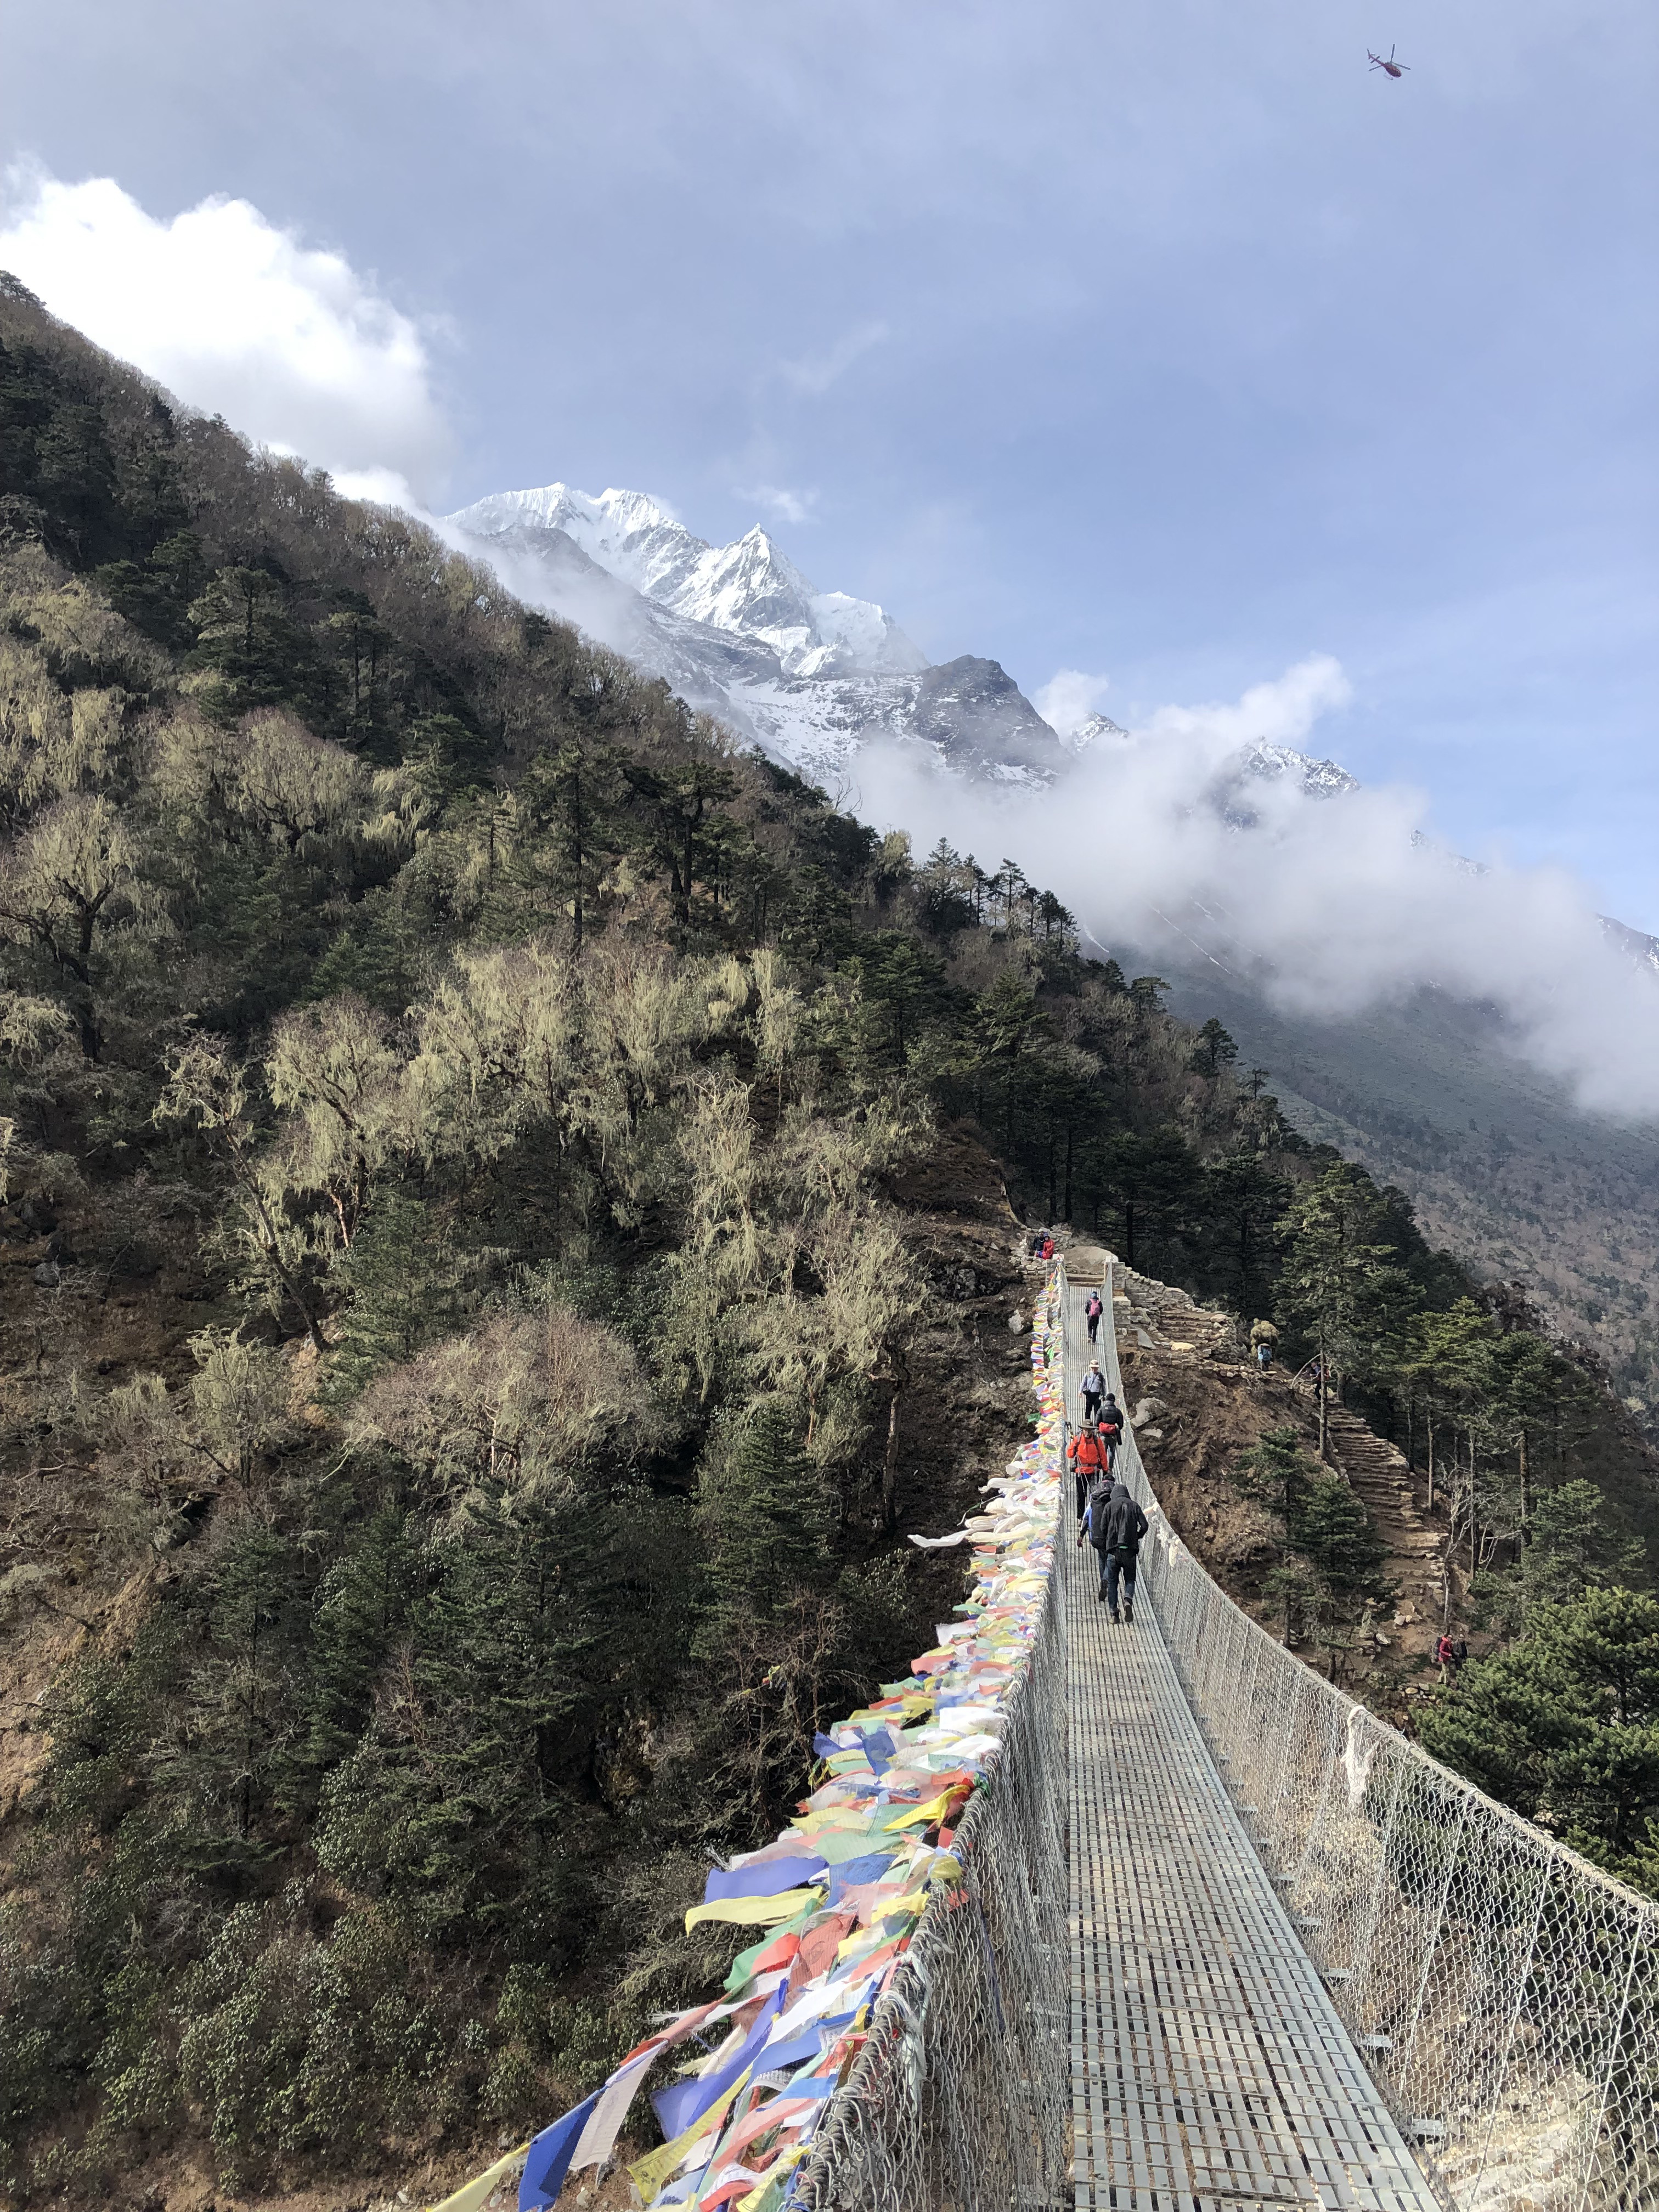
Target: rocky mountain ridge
pixel 810 677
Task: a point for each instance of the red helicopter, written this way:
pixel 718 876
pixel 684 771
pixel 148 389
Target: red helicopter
pixel 1392 67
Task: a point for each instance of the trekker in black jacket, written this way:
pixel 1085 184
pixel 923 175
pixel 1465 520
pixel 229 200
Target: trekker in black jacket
pixel 1110 1423
pixel 1122 1525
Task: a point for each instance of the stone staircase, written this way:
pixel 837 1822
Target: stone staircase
pixel 1378 1472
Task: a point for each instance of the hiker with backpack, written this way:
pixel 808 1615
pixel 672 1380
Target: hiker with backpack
pixel 1114 1525
pixel 1091 1313
pixel 1109 1422
pixel 1091 1463
pixel 1094 1389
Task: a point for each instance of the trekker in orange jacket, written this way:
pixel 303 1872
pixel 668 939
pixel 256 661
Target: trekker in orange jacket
pixel 1090 1462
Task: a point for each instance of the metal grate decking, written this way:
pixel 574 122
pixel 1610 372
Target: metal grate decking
pixel 1210 2072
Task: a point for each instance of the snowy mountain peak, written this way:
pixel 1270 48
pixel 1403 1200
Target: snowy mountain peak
pixel 811 677
pixel 1089 733
pixel 1319 779
pixel 750 588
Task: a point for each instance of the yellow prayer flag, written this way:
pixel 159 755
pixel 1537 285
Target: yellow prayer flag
pixel 910 1904
pixel 471 2194
pixel 750 1911
pixel 771 2192
pixel 652 2170
pixel 922 1816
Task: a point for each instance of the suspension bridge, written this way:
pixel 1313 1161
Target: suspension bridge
pixel 1226 1942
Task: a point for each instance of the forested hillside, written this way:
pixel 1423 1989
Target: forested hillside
pixel 504 1223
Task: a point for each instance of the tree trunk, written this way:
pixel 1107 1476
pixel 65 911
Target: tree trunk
pixel 1429 1422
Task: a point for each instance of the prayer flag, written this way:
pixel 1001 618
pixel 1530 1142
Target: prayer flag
pixel 549 2156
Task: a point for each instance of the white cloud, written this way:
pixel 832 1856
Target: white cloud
pixel 1069 698
pixel 814 373
pixel 290 343
pixel 779 501
pixel 1329 903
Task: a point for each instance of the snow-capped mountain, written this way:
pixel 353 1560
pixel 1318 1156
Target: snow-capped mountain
pixel 811 677
pixel 750 588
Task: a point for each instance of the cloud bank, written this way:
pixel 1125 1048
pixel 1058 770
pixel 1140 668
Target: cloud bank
pixel 1069 698
pixel 1331 905
pixel 290 343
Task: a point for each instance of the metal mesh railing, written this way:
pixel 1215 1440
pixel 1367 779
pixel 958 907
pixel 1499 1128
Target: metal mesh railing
pixel 1503 1993
pixel 961 2096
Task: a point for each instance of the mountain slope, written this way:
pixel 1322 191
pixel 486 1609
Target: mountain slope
pixel 1498 1161
pixel 1501 1163
pixel 809 676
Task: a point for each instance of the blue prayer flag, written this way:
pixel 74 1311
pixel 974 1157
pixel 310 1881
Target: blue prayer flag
pixel 550 2158
pixel 770 1878
pixel 682 2102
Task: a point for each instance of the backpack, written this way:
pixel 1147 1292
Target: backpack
pixel 1094 1305
pixel 1122 1530
pixel 1098 1499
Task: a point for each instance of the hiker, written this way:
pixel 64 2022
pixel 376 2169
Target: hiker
pixel 1442 1657
pixel 1264 1358
pixel 1124 1525
pixel 1094 1389
pixel 1114 1525
pixel 1090 1464
pixel 1094 1519
pixel 1039 1237
pixel 1109 1422
pixel 1047 1247
pixel 1091 1313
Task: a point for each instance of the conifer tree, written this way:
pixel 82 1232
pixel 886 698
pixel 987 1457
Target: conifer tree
pixel 1564 1726
pixel 1338 1282
pixel 766 1519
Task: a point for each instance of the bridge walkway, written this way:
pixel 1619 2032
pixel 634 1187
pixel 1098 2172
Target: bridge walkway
pixel 1210 2070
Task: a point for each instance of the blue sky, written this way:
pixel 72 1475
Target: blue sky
pixel 1163 342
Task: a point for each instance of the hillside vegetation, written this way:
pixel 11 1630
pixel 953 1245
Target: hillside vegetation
pixel 503 1226
pixel 1500 1163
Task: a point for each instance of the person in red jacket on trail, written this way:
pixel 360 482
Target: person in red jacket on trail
pixel 1091 1463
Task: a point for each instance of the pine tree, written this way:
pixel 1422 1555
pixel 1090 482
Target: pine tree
pixel 1339 1283
pixel 766 1519
pixel 1564 1726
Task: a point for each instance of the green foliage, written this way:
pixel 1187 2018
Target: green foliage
pixel 538 1071
pixel 766 1521
pixel 1329 1560
pixel 1568 1548
pixel 1565 1725
pixel 1340 1283
pixel 468 1804
pixel 1276 1470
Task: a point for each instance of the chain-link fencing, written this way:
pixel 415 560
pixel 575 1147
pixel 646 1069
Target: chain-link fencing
pixel 1503 1993
pixel 961 2097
